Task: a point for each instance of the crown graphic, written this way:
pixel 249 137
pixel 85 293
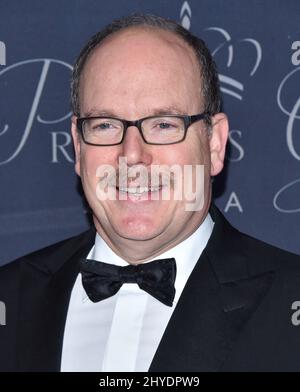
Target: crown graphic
pixel 228 84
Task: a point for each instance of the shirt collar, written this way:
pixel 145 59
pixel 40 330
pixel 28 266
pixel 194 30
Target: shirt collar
pixel 186 254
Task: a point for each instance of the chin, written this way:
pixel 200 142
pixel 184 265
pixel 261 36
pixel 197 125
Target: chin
pixel 138 230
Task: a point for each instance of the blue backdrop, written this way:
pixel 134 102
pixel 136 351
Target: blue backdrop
pixel 256 45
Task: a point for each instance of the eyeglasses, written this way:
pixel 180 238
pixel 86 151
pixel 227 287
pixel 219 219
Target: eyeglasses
pixel 110 131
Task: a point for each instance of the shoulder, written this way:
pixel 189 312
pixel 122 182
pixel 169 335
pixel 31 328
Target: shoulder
pixel 268 254
pixel 262 257
pixel 285 266
pixel 48 257
pixel 235 253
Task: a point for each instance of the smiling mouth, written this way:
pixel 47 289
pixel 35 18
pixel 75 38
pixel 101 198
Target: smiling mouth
pixel 139 193
pixel 139 190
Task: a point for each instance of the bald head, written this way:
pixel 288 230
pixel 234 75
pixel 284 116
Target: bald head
pixel 151 23
pixel 145 68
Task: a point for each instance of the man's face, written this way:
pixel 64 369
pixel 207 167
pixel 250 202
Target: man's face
pixel 135 74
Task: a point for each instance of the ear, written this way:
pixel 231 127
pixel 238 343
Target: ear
pixel 217 143
pixel 77 144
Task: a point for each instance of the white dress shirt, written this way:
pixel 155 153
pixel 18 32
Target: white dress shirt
pixel 122 333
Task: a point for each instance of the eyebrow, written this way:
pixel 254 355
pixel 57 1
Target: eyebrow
pixel 154 112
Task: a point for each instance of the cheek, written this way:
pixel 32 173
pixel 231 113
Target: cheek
pixel 88 165
pixel 92 158
pixel 201 150
pixel 196 152
pixel 191 152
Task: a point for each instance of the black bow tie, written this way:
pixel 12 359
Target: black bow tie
pixel 102 280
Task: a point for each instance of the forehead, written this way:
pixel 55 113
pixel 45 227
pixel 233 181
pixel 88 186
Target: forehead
pixel 145 40
pixel 137 62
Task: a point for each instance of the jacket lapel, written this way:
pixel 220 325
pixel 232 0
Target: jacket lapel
pixel 220 296
pixel 46 285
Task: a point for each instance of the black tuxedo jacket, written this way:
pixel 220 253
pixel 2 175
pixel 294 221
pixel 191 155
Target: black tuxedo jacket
pixel 234 313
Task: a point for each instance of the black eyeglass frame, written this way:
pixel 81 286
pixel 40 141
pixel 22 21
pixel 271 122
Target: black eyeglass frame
pixel 188 121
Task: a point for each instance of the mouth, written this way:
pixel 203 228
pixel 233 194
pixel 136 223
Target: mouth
pixel 137 193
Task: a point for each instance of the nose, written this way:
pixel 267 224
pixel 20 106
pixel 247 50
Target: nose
pixel 134 148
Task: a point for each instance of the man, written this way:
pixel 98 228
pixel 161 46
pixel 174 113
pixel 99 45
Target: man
pixel 146 91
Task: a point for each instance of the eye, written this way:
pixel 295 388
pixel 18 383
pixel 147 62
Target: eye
pixel 165 125
pixel 104 125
